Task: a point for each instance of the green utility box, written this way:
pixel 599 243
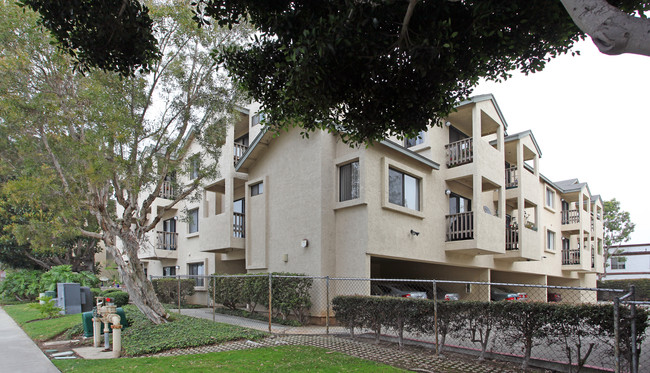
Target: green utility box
pixel 87 320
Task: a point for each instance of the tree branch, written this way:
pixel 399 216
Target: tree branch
pixel 612 30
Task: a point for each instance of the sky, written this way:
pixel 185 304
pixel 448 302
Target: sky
pixel 589 115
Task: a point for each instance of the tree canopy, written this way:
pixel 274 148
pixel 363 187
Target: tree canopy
pixel 366 69
pixel 617 223
pixel 78 143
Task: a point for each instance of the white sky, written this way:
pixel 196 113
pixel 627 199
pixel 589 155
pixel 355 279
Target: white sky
pixel 589 114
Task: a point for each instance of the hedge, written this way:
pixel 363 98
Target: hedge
pixel 529 323
pixel 166 289
pixel 641 288
pixel 119 297
pixel 290 295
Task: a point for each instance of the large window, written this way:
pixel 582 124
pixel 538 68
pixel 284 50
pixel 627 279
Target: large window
pixel 617 262
pixel 349 181
pixel 403 189
pixel 195 164
pixel 169 271
pixel 550 240
pixel 196 269
pixel 257 189
pixel 550 198
pixel 458 204
pixel 193 216
pixel 258 118
pixel 419 139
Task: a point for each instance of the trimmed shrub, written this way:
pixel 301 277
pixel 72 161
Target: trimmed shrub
pixel 166 289
pixel 226 291
pixel 119 297
pixel 291 296
pixel 641 288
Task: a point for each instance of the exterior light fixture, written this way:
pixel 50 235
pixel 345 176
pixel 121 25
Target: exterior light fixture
pixel 414 233
pixel 447 191
pixel 448 123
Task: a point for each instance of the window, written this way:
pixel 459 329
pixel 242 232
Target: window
pixel 195 164
pixel 196 269
pixel 550 198
pixel 349 181
pixel 458 204
pixel 167 238
pixel 258 118
pixel 403 189
pixel 257 189
pixel 617 262
pixel 550 240
pixel 193 223
pixel 409 142
pixel 169 271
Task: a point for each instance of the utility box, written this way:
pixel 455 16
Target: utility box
pixel 87 320
pixel 87 301
pixel 68 298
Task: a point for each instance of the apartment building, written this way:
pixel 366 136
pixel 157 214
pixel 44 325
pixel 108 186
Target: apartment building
pixel 629 261
pixel 462 201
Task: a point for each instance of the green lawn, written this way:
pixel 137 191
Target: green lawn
pixel 271 359
pixel 41 330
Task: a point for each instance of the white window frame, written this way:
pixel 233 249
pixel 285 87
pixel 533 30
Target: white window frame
pixel 550 240
pixel 193 221
pixel 549 198
pixel 355 185
pixel 257 189
pixel 200 266
pixel 616 263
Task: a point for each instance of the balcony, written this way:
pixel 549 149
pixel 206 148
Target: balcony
pixel 512 238
pixel 460 226
pixel 460 152
pixel 512 177
pixel 239 151
pixel 167 190
pixel 571 257
pixel 570 217
pixel 238 225
pixel 166 240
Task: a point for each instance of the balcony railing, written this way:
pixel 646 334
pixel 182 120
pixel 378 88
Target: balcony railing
pixel 460 152
pixel 512 178
pixel 239 151
pixel 238 227
pixel 571 256
pixel 167 190
pixel 570 216
pixel 167 240
pixel 460 226
pixel 512 238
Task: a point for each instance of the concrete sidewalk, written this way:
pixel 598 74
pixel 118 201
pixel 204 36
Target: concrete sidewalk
pixel 18 353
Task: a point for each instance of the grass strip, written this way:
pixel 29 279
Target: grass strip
pixel 40 330
pixel 269 359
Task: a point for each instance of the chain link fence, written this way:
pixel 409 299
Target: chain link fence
pixel 460 318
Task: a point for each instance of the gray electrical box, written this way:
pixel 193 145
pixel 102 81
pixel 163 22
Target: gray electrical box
pixel 87 301
pixel 68 298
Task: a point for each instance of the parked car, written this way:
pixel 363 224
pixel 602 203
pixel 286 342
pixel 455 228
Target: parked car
pixel 554 297
pixel 498 294
pixel 397 290
pixel 443 294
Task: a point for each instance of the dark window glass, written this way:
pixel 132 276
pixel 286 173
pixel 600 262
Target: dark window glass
pixel 257 189
pixel 349 181
pixel 403 189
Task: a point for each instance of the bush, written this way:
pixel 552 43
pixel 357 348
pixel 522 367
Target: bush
pixel 226 291
pixel 48 309
pixel 578 328
pixel 166 289
pixel 21 285
pixel 63 273
pixel 641 288
pixel 119 297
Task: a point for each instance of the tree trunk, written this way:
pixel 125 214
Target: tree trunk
pixel 139 287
